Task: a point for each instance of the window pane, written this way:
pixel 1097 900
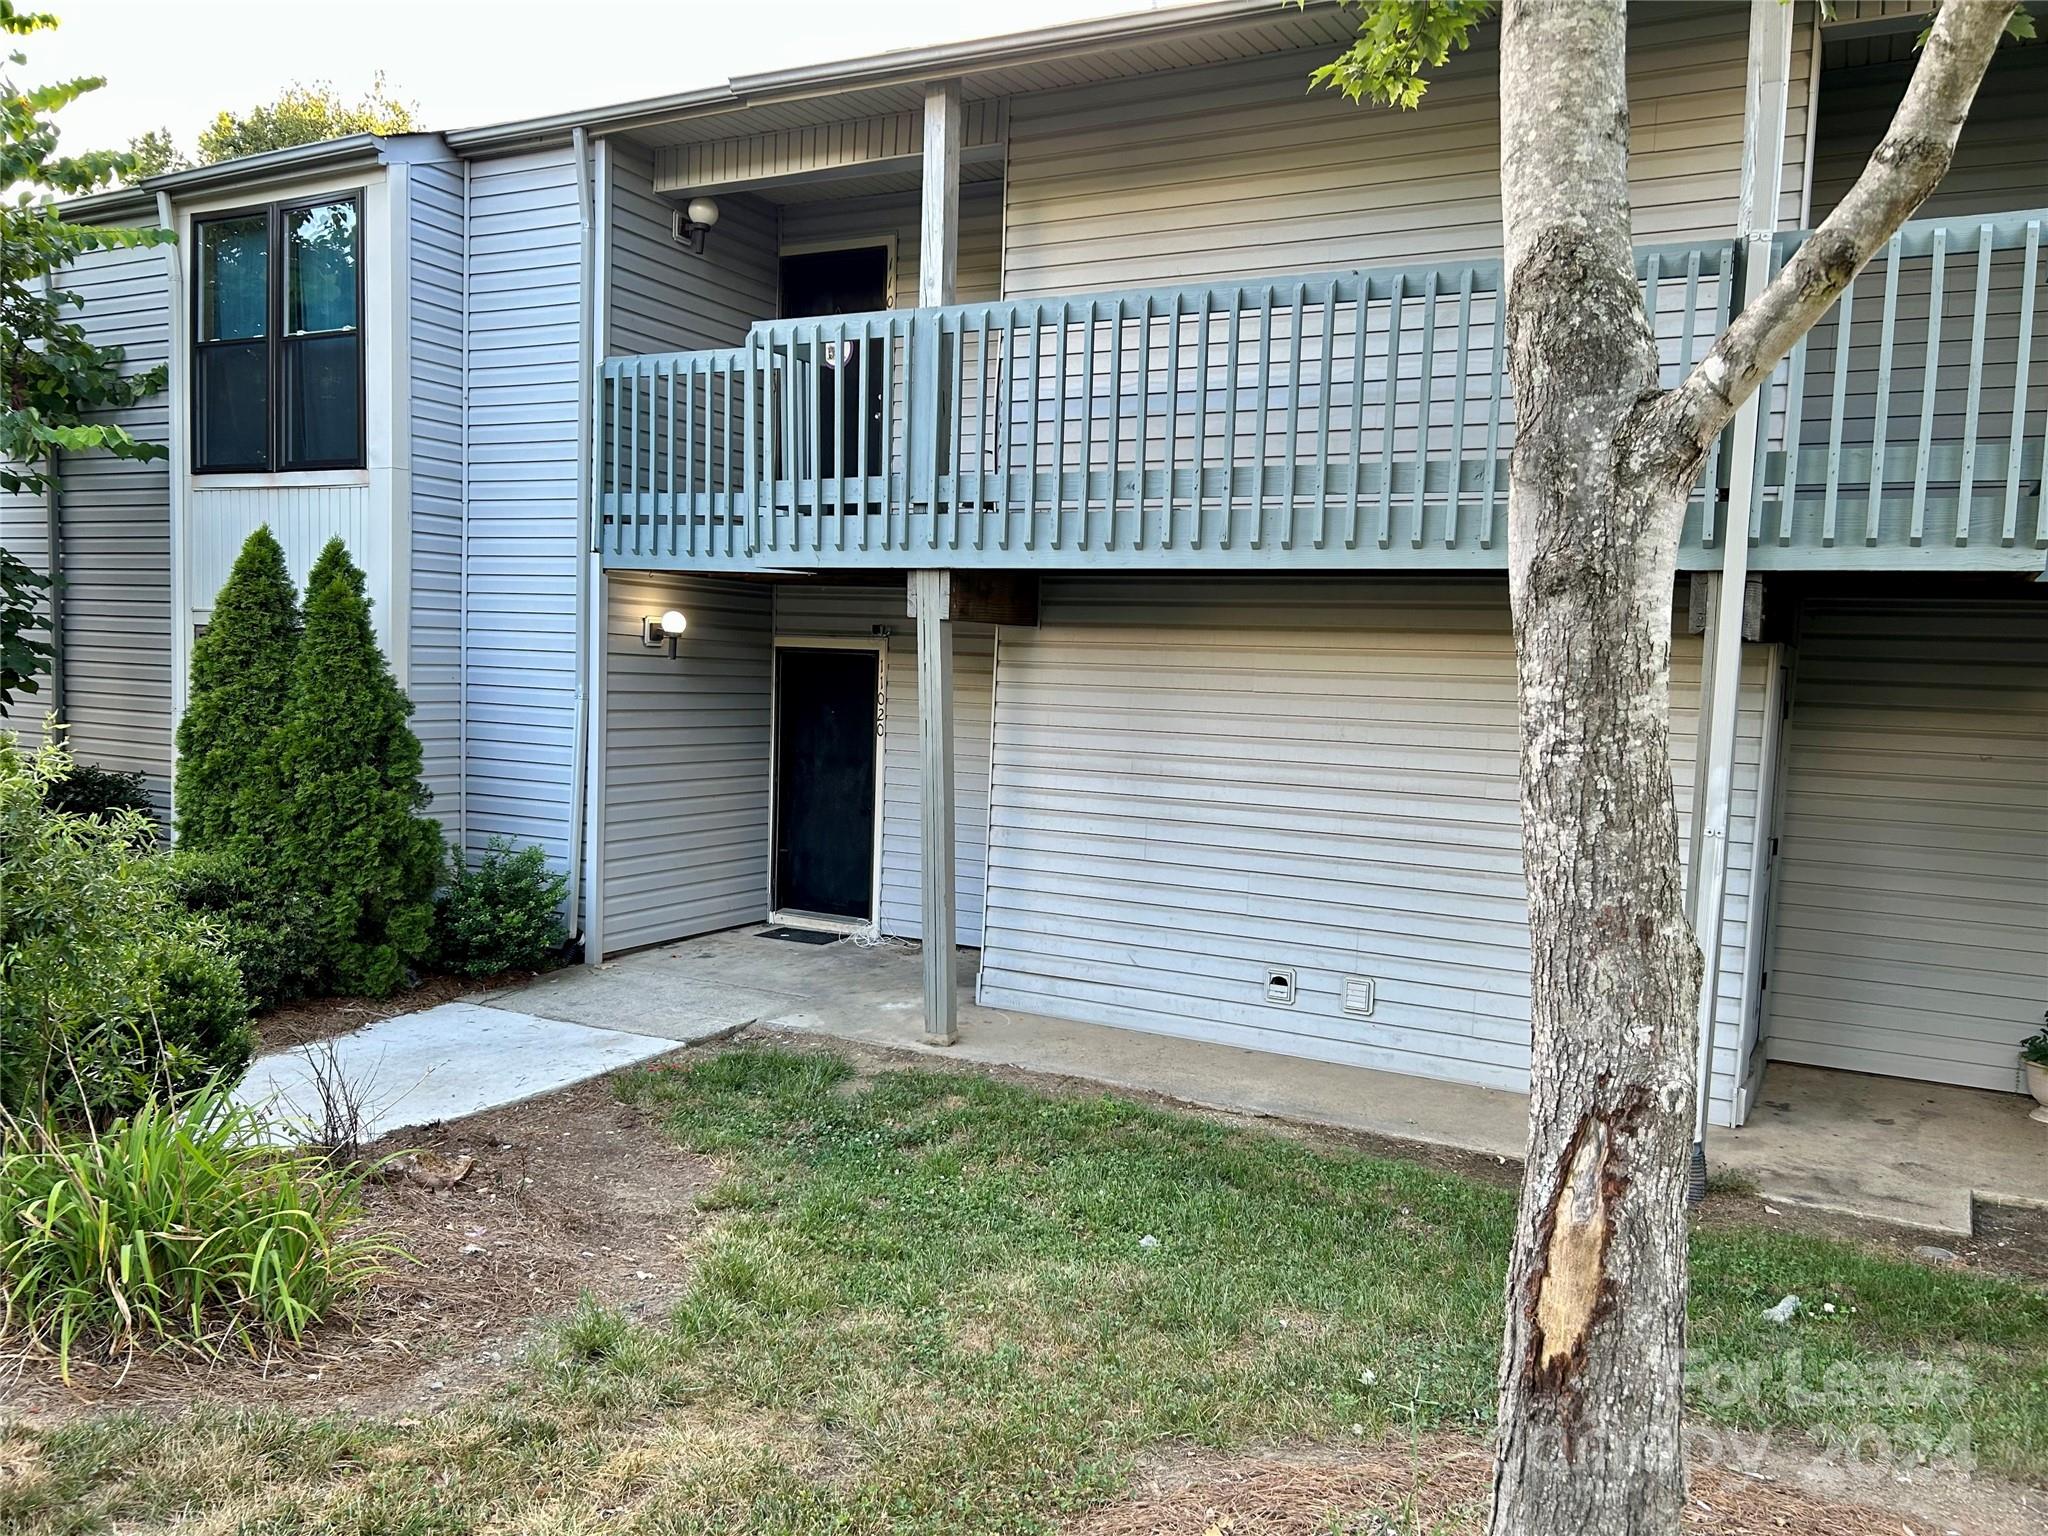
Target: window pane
pixel 323 421
pixel 320 268
pixel 234 408
pixel 234 278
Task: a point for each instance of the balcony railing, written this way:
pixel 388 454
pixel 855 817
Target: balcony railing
pixel 1351 420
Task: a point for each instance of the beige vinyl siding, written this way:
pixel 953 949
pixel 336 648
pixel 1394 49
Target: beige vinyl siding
pixel 1195 779
pixel 851 220
pixel 1237 170
pixel 685 761
pixel 856 611
pixel 1911 891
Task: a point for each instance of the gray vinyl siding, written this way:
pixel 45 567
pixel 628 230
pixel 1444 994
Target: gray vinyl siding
pixel 2001 160
pixel 434 296
pixel 685 769
pixel 1911 891
pixel 116 536
pixel 24 533
pixel 980 269
pixel 524 543
pixel 855 611
pixel 1237 169
pixel 659 296
pixel 1195 779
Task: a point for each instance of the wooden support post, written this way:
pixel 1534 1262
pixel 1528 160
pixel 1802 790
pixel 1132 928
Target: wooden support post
pixel 931 605
pixel 1763 160
pixel 938 254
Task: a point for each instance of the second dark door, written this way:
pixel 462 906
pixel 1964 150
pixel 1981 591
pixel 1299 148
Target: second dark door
pixel 825 711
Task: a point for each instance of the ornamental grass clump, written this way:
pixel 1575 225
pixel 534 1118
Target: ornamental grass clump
pixel 177 1227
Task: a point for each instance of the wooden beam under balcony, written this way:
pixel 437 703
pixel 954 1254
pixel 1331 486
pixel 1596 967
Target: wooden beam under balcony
pixel 856 148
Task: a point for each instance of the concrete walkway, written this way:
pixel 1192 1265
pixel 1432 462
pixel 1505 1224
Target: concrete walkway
pixel 1879 1148
pixel 440 1064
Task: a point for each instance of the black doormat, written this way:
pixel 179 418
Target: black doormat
pixel 801 935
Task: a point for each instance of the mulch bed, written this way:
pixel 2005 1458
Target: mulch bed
pixel 569 1193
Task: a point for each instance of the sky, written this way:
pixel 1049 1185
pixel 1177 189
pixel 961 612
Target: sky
pixel 174 63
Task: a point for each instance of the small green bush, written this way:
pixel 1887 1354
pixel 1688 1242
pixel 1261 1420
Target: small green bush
pixel 228 793
pixel 177 1226
pixel 503 915
pixel 109 990
pixel 349 834
pixel 87 789
pixel 267 931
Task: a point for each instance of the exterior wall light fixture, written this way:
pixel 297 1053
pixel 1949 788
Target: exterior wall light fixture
pixel 661 631
pixel 690 225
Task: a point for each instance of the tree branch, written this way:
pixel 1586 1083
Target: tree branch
pixel 1906 167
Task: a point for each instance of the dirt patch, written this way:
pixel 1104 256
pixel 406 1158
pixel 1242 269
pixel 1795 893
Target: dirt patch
pixel 570 1192
pixel 1443 1484
pixel 322 1018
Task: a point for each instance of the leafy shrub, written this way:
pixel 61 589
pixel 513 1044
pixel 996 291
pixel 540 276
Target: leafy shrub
pixel 228 794
pixel 267 931
pixel 503 915
pixel 175 1226
pixel 349 835
pixel 109 990
pixel 87 789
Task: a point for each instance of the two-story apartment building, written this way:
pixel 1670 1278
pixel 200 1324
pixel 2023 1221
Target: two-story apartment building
pixel 1080 460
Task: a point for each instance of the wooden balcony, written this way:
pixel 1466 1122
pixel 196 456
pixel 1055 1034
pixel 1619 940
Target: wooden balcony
pixel 1356 420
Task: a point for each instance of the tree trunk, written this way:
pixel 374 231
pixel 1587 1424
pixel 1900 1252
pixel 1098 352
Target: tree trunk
pixel 1592 1367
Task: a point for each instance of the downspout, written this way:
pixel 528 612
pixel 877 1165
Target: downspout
pixel 586 284
pixel 462 567
pixel 178 501
pixel 591 678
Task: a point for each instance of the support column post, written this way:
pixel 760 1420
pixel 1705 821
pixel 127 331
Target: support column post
pixel 938 254
pixel 931 602
pixel 1763 162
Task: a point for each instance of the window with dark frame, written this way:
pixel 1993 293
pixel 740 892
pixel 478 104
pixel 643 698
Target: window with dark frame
pixel 277 343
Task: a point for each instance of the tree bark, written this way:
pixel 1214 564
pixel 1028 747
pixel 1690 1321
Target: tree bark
pixel 1592 1367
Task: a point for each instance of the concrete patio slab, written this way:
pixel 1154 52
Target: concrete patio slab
pixel 1879 1148
pixel 440 1064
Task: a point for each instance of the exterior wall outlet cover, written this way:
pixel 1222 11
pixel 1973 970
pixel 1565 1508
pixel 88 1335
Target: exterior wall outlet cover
pixel 1359 995
pixel 1280 986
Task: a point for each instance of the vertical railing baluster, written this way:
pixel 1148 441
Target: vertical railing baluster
pixel 1361 315
pixel 1496 395
pixel 1881 406
pixel 1117 416
pixel 1966 478
pixel 1688 327
pixel 1059 437
pixel 951 437
pixel 1031 468
pixel 2016 441
pixel 1172 457
pixel 984 409
pixel 1323 415
pixel 1230 418
pixel 689 445
pixel 1390 407
pixel 862 467
pixel 1144 410
pixel 1201 444
pixel 1795 414
pixel 1838 410
pixel 1454 504
pixel 1258 464
pixel 1930 370
pixel 1087 417
pixel 1006 428
pixel 1425 385
pixel 839 361
pixel 1295 371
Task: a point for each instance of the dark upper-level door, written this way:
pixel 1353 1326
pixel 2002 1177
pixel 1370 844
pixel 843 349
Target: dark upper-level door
pixel 826 706
pixel 854 281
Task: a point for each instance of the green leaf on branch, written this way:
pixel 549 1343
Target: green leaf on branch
pixel 1398 40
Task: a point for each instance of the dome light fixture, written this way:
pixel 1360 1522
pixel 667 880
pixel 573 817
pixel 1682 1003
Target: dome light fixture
pixel 663 631
pixel 690 225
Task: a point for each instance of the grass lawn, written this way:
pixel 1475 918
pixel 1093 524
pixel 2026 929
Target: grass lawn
pixel 928 1305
